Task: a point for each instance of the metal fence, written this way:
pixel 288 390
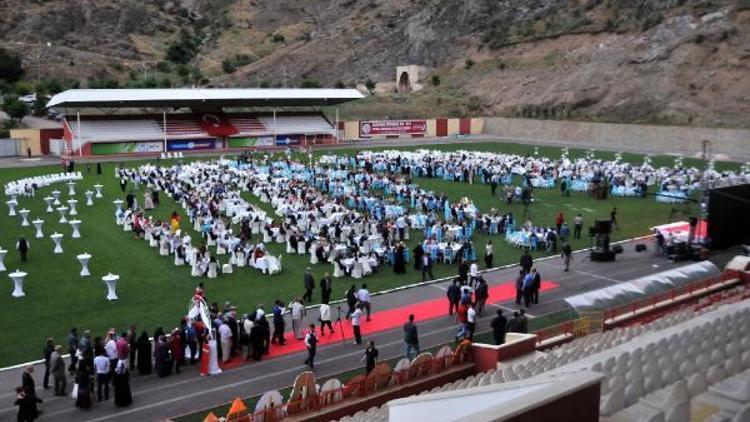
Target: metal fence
pixel 10 147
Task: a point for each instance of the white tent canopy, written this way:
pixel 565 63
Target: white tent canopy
pixel 639 288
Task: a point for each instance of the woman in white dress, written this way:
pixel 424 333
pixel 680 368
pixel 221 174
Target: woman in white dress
pixel 213 356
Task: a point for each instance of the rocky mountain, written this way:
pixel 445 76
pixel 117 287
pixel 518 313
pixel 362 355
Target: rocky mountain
pixel 662 61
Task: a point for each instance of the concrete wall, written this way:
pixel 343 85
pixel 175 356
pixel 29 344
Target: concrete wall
pixel 734 143
pixel 30 138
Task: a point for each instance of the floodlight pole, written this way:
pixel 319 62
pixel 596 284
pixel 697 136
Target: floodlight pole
pixel 78 138
pixel 164 125
pixel 274 127
pixel 338 132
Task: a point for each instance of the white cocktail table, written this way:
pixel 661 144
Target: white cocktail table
pixel 111 281
pixel 62 211
pixel 56 195
pixel 84 259
pixel 72 203
pixel 38 224
pixel 118 204
pixel 89 198
pixel 17 278
pixel 3 252
pixel 24 213
pixel 57 238
pixel 74 224
pixel 71 188
pixel 49 200
pixel 98 190
pixel 12 207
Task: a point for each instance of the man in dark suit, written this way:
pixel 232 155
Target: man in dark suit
pixel 535 286
pixel 513 324
pixel 526 261
pixel 454 296
pixel 499 324
pixel 326 287
pixel 309 286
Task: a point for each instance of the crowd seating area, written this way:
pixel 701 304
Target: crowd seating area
pixel 691 363
pixel 311 124
pixel 116 130
pixel 248 125
pixel 149 128
pixel 177 127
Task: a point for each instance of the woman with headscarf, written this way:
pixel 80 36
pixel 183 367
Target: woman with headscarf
pixel 161 357
pixel 144 354
pixel 121 382
pixel 83 380
pixel 177 347
pixel 399 266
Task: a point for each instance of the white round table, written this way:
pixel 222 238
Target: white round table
pixel 71 188
pixel 84 259
pixel 3 252
pixel 24 213
pixel 57 238
pixel 89 196
pixel 62 211
pixel 14 196
pixel 74 224
pixel 49 200
pixel 17 278
pixel 118 204
pixel 12 207
pixel 38 224
pixel 99 191
pixel 56 195
pixel 111 281
pixel 72 203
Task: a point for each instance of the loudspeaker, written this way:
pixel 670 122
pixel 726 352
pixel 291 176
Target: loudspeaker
pixel 617 249
pixel 640 247
pixel 603 226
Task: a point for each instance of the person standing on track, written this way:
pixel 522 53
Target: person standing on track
pixel 356 315
pixel 311 342
pixel 567 256
pixel 411 338
pixel 454 296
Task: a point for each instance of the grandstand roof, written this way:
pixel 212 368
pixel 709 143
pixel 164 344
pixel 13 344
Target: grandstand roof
pixel 201 97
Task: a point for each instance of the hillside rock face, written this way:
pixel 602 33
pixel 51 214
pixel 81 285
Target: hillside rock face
pixel 662 61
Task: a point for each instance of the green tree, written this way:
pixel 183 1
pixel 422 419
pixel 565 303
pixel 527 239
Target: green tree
pixel 435 80
pixel 310 83
pixel 370 85
pixel 14 107
pixel 11 68
pixel 228 66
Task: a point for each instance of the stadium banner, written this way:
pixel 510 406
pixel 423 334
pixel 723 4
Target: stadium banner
pixel 191 144
pixel 126 147
pixel 288 139
pixel 261 141
pixel 242 142
pixel 369 128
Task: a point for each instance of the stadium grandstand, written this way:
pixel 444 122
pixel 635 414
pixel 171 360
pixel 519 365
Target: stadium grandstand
pixel 122 121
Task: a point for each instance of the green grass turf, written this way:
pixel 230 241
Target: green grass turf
pixel 153 292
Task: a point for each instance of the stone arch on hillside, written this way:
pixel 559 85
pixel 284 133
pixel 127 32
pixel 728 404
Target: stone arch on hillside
pixel 404 85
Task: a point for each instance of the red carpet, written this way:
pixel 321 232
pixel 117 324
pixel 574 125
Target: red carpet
pixel 389 319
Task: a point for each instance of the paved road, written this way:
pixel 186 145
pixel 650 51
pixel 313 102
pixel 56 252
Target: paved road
pixel 156 398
